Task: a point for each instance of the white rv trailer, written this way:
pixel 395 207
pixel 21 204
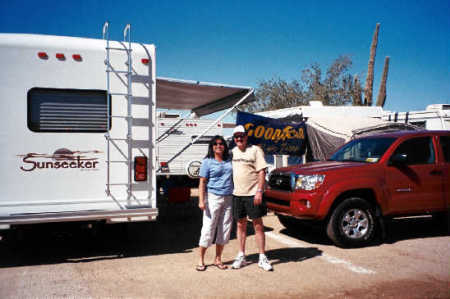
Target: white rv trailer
pixel 79 137
pixel 174 131
pixel 434 117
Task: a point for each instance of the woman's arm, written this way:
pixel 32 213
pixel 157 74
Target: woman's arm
pixel 202 193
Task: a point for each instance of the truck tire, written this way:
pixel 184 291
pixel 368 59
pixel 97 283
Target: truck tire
pixel 352 223
pixel 442 219
pixel 290 223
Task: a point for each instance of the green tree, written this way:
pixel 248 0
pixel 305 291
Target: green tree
pixel 336 87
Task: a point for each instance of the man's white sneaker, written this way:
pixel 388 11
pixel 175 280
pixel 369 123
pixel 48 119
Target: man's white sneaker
pixel 239 261
pixel 265 264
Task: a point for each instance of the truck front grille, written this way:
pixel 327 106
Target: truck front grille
pixel 280 181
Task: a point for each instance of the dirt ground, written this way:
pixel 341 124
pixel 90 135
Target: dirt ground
pixel 157 260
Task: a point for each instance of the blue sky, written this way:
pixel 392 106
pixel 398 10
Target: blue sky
pixel 243 42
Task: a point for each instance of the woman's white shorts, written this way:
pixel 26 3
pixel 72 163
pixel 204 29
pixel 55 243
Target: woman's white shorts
pixel 217 220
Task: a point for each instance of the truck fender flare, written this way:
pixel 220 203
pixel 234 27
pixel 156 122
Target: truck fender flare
pixel 336 190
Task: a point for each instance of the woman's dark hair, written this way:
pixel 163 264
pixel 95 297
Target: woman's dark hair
pixel 226 154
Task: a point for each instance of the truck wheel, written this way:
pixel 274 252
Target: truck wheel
pixel 290 223
pixel 352 223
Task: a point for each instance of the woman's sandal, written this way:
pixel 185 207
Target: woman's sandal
pixel 200 267
pixel 221 266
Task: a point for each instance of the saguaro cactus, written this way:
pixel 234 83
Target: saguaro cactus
pixel 368 90
pixel 382 93
pixel 356 93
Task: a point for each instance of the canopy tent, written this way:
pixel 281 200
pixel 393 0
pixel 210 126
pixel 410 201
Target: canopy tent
pixel 329 127
pixel 315 110
pixel 202 98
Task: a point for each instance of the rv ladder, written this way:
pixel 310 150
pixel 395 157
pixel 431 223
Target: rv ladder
pixel 125 154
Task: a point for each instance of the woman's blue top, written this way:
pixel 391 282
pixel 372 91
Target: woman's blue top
pixel 219 175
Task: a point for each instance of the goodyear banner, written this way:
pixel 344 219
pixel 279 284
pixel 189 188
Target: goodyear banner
pixel 274 136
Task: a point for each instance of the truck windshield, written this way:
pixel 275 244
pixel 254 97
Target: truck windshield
pixel 368 150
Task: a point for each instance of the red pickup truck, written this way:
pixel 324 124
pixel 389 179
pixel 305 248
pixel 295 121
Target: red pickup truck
pixel 367 179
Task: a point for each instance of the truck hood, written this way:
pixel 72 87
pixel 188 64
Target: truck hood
pixel 321 167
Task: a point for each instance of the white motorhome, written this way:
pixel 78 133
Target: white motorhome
pixel 80 137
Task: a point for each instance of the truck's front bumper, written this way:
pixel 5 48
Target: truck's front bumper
pixel 302 205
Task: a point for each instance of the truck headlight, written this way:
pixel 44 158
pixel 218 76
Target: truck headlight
pixel 308 182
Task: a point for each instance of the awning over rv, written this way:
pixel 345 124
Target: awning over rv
pixel 199 97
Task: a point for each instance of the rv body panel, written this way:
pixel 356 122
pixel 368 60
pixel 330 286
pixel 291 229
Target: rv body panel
pixel 53 171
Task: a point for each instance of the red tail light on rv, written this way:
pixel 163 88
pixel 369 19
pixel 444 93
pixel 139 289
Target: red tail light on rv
pixel 140 169
pixel 164 166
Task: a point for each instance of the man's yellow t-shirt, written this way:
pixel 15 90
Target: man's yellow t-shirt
pixel 246 165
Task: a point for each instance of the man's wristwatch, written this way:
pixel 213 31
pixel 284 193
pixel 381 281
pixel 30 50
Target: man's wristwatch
pixel 260 190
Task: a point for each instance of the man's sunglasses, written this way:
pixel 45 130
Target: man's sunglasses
pixel 239 136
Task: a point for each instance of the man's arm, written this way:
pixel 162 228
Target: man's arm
pixel 261 182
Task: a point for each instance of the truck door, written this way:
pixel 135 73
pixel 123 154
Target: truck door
pixel 416 185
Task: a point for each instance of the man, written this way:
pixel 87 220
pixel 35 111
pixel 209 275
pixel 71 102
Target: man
pixel 249 168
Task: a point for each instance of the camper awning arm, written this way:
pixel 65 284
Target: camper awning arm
pixel 223 115
pixel 250 92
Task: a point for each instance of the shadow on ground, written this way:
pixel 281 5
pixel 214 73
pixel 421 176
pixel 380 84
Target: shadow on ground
pixel 416 228
pixel 286 255
pixel 396 230
pixel 176 231
pixel 313 234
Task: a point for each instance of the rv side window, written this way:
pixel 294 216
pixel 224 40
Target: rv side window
pixel 67 110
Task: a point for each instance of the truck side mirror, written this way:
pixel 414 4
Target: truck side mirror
pixel 399 159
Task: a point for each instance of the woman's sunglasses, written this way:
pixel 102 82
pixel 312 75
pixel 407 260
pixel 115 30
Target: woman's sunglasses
pixel 218 143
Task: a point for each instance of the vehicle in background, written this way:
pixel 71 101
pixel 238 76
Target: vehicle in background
pixel 81 138
pixel 368 179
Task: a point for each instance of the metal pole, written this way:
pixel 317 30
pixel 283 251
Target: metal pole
pixel 223 115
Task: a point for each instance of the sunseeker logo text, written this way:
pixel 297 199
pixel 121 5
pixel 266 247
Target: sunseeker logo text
pixel 60 159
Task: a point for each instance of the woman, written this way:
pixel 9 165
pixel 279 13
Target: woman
pixel 214 198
